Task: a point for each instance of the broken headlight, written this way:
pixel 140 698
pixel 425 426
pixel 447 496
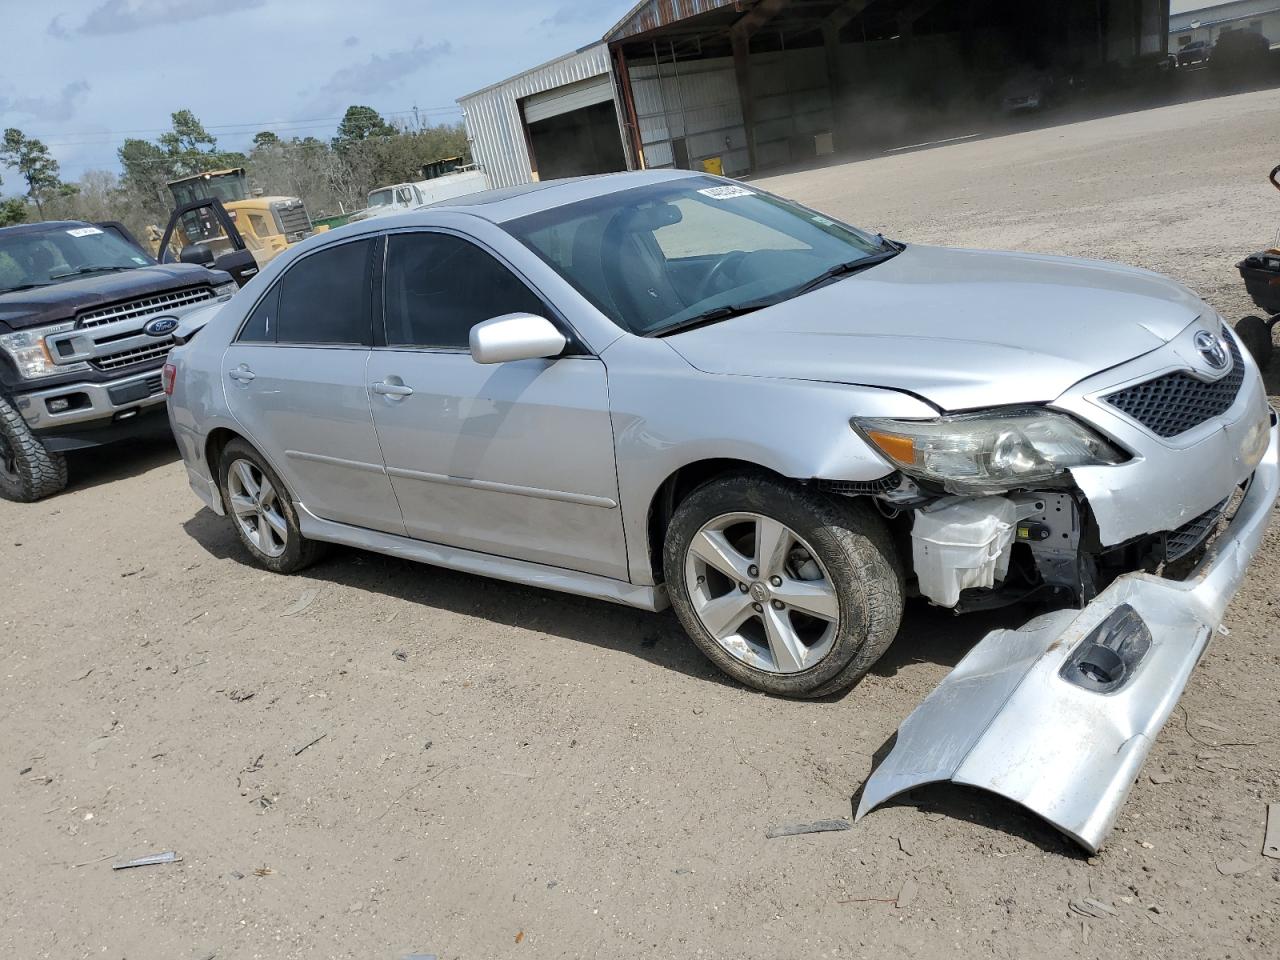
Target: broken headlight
pixel 990 451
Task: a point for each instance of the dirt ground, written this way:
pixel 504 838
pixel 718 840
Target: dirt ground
pixel 376 759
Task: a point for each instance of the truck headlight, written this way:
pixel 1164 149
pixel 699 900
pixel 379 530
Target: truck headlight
pixel 31 354
pixel 225 289
pixel 989 451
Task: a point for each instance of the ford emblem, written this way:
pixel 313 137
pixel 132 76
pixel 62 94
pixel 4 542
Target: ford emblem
pixel 1211 348
pixel 160 326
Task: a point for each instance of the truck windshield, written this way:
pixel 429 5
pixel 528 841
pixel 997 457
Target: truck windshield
pixel 41 258
pixel 667 256
pixel 381 198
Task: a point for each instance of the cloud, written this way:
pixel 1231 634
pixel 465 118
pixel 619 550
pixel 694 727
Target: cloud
pixel 379 74
pixel 570 13
pixel 128 16
pixel 48 109
pixel 351 42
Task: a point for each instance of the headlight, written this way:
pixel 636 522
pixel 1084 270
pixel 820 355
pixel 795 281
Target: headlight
pixel 990 451
pixel 31 354
pixel 225 289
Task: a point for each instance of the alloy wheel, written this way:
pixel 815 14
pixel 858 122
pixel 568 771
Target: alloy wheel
pixel 762 592
pixel 256 507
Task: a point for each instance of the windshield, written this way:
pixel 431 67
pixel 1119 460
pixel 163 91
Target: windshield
pixel 380 198
pixel 658 257
pixel 39 259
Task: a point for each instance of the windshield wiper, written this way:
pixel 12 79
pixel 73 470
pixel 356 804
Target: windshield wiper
pixel 83 270
pixel 24 286
pixel 714 315
pixel 845 269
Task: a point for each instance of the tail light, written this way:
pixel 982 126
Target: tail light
pixel 167 376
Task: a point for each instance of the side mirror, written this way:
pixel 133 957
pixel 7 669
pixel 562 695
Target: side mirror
pixel 516 336
pixel 197 253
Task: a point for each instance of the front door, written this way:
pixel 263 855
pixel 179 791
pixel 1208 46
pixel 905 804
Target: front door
pixel 514 459
pixel 296 378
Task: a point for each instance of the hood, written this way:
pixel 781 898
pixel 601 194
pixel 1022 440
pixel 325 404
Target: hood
pixel 961 328
pixel 62 301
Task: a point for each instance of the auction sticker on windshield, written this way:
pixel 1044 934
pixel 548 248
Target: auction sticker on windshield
pixel 84 231
pixel 726 192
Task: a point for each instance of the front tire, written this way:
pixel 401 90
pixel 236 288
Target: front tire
pixel 28 472
pixel 261 511
pixel 784 589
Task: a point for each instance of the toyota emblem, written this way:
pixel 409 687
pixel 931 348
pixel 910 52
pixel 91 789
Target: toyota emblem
pixel 1212 349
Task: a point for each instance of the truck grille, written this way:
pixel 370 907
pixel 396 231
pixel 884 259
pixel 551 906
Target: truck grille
pixel 139 308
pixel 1177 402
pixel 293 221
pixel 128 358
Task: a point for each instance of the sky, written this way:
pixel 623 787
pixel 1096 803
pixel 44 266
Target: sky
pixel 82 75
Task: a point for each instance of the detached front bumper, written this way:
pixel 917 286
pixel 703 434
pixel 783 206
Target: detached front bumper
pixel 1016 718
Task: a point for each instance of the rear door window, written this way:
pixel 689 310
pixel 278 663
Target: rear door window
pixel 262 323
pixel 324 297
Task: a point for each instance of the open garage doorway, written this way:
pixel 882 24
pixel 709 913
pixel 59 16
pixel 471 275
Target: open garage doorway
pixel 573 131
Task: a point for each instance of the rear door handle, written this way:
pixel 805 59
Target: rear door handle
pixel 385 389
pixel 241 374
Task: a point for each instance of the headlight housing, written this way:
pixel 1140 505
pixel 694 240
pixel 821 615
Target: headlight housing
pixel 30 353
pixel 991 451
pixel 225 289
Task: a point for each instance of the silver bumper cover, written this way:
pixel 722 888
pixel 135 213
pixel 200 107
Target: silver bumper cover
pixel 95 401
pixel 1009 718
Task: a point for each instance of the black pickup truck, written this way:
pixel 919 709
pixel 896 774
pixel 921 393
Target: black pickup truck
pixel 86 320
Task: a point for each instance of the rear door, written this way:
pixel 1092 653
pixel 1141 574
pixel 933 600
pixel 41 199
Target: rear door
pixel 514 459
pixel 295 378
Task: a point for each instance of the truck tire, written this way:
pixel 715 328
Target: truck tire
pixel 28 472
pixel 784 589
pixel 261 512
pixel 1255 334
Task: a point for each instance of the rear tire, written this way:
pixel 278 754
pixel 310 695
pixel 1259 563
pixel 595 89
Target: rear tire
pixel 261 511
pixel 1255 334
pixel 804 619
pixel 28 472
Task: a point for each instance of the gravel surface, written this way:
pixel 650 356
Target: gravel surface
pixel 377 758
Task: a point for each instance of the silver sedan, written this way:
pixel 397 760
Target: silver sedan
pixel 672 388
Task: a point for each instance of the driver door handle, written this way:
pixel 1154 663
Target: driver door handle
pixel 242 374
pixel 385 389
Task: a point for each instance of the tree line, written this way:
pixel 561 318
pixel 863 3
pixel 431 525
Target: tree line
pixel 331 176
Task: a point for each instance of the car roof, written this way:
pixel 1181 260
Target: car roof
pixel 43 227
pixel 510 203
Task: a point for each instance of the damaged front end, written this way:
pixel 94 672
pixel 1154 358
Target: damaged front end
pixel 1060 714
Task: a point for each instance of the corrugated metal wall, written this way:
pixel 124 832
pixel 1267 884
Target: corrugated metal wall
pixel 492 115
pixel 698 100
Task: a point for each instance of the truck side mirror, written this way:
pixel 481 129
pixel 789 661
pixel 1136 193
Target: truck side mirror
pixel 196 253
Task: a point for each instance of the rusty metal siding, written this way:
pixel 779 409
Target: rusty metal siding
pixel 660 13
pixel 492 115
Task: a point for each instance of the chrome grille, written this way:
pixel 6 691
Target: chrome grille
pixel 1177 402
pixel 140 308
pixel 128 358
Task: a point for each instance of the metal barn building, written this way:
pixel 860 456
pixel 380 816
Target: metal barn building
pixel 737 86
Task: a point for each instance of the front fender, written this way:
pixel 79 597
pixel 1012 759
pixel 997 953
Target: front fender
pixel 667 415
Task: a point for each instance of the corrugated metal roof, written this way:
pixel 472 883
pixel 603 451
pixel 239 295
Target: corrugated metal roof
pixel 492 115
pixel 653 14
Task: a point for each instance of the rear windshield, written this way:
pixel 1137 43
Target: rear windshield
pixel 41 259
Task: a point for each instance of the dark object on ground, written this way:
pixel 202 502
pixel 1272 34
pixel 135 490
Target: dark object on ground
pixel 152 860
